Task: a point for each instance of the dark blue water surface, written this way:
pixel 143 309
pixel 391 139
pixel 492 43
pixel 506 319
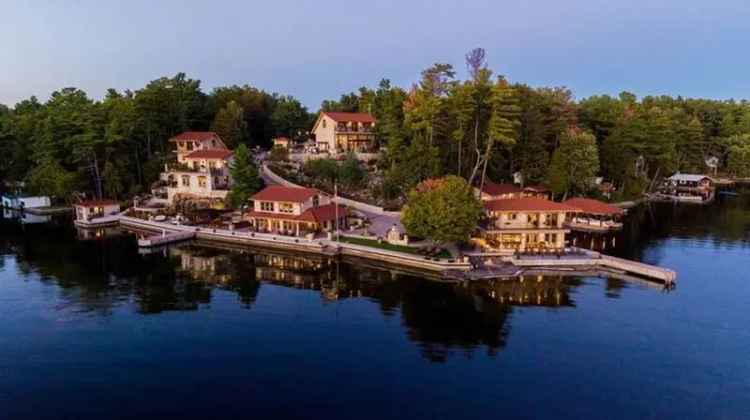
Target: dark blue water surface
pixel 93 329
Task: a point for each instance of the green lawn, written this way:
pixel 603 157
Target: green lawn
pixel 389 247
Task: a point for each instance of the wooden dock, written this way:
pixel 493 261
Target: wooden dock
pixel 586 258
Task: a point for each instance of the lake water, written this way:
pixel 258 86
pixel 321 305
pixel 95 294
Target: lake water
pixel 93 329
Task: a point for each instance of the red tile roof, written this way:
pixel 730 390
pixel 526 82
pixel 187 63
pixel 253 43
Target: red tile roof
pixel 589 206
pixel 526 204
pixel 195 136
pixel 97 203
pixel 318 214
pixel 491 188
pixel 286 194
pixel 209 154
pixel 323 213
pixel 361 117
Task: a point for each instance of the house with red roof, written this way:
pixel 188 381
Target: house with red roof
pixel 523 224
pixel 201 170
pixel 493 191
pixel 190 141
pixel 294 211
pixel 340 132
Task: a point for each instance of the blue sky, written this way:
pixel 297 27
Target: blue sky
pixel 320 49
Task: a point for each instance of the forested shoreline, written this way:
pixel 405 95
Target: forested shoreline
pixel 484 127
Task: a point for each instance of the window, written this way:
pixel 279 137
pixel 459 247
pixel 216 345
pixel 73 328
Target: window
pixel 212 164
pixel 316 201
pixel 202 182
pixel 550 237
pixel 190 145
pixel 512 216
pixel 323 123
pixel 186 180
pixel 286 208
pixel 266 205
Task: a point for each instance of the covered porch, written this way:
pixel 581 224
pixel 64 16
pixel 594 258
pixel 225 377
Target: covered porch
pixel 522 241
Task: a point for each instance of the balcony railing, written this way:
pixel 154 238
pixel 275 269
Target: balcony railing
pixel 343 129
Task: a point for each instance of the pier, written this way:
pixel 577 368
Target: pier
pixel 585 258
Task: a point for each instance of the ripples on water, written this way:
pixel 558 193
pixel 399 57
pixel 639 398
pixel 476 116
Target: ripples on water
pixel 93 327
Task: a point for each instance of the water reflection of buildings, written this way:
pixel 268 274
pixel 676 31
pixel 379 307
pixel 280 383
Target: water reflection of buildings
pixel 95 234
pixel 442 318
pixel 25 218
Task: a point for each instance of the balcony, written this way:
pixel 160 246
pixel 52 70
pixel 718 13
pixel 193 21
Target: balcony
pixel 347 129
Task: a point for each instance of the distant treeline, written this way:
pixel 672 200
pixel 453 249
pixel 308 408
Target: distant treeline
pixel 483 127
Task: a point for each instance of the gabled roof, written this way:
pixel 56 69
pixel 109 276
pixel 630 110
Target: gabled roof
pixel 688 177
pixel 589 206
pixel 318 214
pixel 323 213
pixel 491 188
pixel 209 154
pixel 199 136
pixel 286 194
pixel 362 117
pixel 526 204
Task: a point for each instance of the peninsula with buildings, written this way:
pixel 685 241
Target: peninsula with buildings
pixel 468 178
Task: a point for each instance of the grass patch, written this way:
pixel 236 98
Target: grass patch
pixel 389 247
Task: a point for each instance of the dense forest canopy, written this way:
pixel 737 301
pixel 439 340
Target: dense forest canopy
pixel 482 128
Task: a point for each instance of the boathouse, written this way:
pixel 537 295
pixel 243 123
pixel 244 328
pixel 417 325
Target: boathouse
pixel 92 209
pixel 294 211
pixel 688 187
pixel 593 215
pixel 19 202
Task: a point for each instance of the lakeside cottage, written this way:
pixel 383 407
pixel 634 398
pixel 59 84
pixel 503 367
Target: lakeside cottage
pixel 340 132
pixel 593 215
pixel 294 211
pixel 525 224
pixel 201 171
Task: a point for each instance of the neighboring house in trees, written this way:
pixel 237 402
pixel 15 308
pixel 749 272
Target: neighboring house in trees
pixel 340 132
pixel 524 224
pixel 201 171
pixel 493 191
pixel 294 211
pixel 282 142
